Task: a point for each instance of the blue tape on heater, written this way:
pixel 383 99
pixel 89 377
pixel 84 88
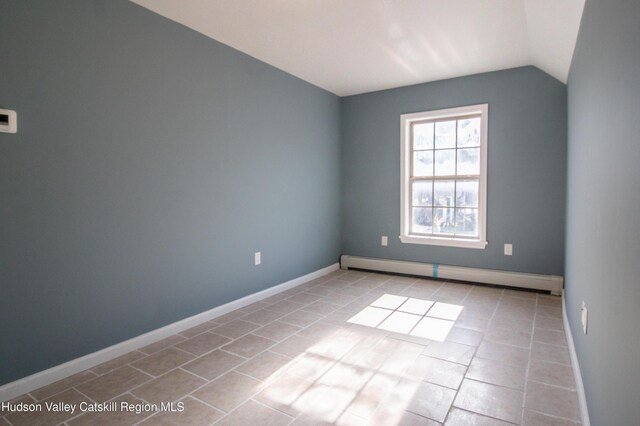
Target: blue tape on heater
pixel 435 270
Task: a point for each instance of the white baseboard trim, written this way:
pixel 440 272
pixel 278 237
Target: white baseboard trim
pixel 551 283
pixel 59 372
pixel 577 375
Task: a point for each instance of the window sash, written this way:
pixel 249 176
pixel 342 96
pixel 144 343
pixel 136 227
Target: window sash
pixel 409 121
pixel 455 207
pixel 455 178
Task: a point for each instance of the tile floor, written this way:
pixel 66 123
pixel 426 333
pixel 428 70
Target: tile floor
pixel 348 348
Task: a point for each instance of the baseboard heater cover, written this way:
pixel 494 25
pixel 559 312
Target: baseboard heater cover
pixel 550 283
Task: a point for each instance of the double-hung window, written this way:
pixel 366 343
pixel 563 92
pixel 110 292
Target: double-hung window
pixel 444 177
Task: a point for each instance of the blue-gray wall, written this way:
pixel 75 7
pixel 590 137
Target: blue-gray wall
pixel 526 169
pixel 150 164
pixel 603 208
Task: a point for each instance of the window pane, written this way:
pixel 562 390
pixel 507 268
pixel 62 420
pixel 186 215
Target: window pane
pixel 445 162
pixel 423 163
pixel 443 193
pixel 422 222
pixel 443 220
pixel 469 132
pixel 467 222
pixel 446 134
pixel 422 193
pixel 469 161
pixel 423 136
pixel 467 193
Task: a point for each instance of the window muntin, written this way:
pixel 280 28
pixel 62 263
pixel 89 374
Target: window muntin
pixel 444 177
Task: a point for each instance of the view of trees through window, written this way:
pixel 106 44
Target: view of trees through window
pixel 445 177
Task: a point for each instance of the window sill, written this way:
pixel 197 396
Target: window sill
pixel 444 242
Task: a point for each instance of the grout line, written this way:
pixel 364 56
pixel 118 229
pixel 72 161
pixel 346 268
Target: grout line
pixel 567 365
pixel 187 352
pixel 494 384
pixel 166 347
pixel 224 413
pixel 201 377
pixel 87 396
pixel 145 372
pixel 554 386
pixel 556 417
pixel 151 378
pixel 232 353
pixel 271 408
pixel 484 415
pixel 526 376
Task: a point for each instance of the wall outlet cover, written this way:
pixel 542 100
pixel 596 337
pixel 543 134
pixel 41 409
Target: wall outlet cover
pixel 384 240
pixel 585 317
pixel 508 249
pixel 8 121
pixel 257 258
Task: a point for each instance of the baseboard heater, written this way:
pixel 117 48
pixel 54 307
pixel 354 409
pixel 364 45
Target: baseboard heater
pixel 550 283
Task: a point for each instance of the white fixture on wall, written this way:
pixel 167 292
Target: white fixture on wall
pixel 585 317
pixel 257 258
pixel 384 240
pixel 8 121
pixel 508 249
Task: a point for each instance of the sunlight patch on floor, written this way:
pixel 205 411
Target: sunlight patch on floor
pixel 343 378
pixel 408 315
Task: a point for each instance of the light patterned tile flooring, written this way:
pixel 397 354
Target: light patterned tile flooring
pixel 348 348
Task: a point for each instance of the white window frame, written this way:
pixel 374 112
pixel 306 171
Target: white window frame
pixel 406 121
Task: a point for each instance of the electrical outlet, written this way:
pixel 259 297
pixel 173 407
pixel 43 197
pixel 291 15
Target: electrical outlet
pixel 8 121
pixel 257 258
pixel 585 317
pixel 508 249
pixel 384 241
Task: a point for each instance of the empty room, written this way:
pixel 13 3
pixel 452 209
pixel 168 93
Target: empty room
pixel 319 212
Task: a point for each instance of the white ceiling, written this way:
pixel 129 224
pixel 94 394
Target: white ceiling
pixel 357 46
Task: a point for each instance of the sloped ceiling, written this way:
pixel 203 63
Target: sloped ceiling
pixel 355 46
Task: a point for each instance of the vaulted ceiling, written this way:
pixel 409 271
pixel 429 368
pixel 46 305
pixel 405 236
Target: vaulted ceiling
pixel 355 46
